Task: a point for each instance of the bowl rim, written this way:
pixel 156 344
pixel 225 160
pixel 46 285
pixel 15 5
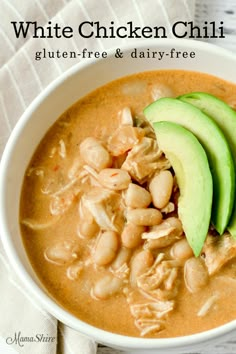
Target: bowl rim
pixel 46 301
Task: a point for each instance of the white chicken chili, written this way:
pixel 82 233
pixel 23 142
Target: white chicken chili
pixel 99 217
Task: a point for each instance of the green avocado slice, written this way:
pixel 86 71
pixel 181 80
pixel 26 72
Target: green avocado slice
pixel 216 147
pixel 225 117
pixel 190 163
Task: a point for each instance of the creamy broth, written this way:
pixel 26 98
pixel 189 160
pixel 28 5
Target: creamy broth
pixel 52 213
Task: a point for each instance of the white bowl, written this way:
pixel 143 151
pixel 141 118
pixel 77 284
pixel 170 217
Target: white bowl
pixel 30 129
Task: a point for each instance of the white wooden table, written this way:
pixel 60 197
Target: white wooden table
pixel 210 10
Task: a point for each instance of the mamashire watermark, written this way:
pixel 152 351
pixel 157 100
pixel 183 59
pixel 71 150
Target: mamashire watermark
pixel 19 339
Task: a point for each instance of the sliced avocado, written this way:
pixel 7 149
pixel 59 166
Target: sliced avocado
pixel 225 117
pixel 190 163
pixel 215 144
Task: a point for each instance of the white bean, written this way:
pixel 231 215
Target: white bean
pixel 195 274
pixel 122 257
pixel 62 253
pixel 95 154
pixel 114 178
pixel 107 287
pixel 137 197
pixel 181 250
pixel 160 91
pixel 161 188
pixel 74 270
pixel 134 88
pixel 131 236
pixel 106 248
pixel 125 116
pixel 140 264
pixel 144 217
pixel 87 229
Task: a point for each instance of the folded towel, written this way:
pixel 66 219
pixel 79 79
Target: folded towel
pixel 22 78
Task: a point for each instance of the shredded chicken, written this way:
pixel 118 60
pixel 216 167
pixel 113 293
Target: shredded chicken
pixel 37 171
pixel 60 204
pixel 37 226
pixel 105 207
pixel 217 251
pixel 62 150
pixel 66 187
pixel 123 139
pixel 158 233
pixel 157 309
pixel 122 272
pixel 161 275
pixel 207 306
pixel 149 326
pixel 144 159
pixel 75 169
pixel 149 316
pixel 141 122
pixel 164 234
pixel 160 294
pixel 53 152
pixel 63 198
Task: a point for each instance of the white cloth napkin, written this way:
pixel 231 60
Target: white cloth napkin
pixel 22 78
